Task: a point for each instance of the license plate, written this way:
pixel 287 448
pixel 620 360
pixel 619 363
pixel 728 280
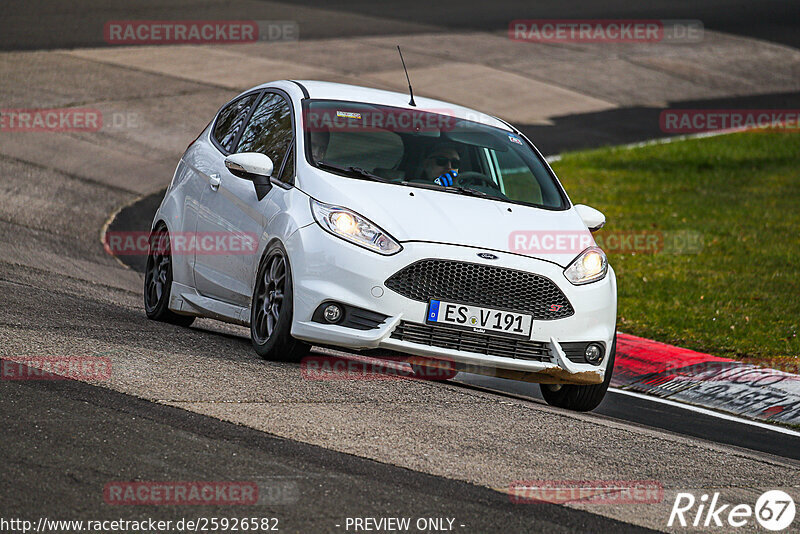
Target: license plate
pixel 479 319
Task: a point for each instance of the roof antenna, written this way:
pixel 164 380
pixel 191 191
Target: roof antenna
pixel 410 90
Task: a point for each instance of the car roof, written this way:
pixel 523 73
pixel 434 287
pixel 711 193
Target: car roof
pixel 356 93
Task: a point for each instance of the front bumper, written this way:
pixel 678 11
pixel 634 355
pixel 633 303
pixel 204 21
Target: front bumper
pixel 325 267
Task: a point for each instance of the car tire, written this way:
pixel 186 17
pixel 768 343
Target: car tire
pixel 271 310
pixel 581 398
pixel 158 280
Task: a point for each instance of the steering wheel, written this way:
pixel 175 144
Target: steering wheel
pixel 475 178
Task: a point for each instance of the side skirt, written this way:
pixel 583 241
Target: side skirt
pixel 187 301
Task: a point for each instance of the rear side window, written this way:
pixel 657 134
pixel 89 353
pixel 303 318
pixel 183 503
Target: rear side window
pixel 269 130
pixel 231 121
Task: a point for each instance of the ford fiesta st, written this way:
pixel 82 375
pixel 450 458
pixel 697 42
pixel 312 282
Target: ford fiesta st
pixel 336 215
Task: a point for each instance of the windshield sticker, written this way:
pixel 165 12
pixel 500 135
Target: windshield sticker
pixel 348 114
pixel 514 139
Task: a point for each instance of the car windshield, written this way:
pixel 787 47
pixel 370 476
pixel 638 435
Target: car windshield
pixel 415 147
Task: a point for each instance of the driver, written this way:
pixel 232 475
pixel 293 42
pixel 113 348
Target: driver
pixel 441 164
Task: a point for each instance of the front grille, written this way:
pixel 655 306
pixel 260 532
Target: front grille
pixel 482 285
pixel 458 339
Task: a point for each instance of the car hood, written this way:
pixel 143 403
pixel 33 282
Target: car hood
pixel 417 214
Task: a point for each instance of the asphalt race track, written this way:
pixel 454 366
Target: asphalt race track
pixel 82 23
pixel 197 404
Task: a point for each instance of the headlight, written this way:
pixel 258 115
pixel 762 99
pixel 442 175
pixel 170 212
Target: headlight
pixel 590 265
pixel 352 227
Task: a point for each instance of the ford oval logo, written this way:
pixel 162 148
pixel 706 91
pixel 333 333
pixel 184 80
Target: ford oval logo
pixel 487 256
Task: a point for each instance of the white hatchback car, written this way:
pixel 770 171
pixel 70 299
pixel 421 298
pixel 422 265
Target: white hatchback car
pixel 336 215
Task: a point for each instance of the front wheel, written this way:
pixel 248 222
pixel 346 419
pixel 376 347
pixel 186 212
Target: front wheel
pixel 271 309
pixel 580 398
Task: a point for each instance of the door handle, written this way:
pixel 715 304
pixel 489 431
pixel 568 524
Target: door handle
pixel 214 181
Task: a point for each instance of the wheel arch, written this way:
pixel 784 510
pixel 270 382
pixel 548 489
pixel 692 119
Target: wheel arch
pixel 263 254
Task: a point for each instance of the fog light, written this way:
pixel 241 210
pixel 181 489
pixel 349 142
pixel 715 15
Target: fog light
pixel 332 313
pixel 594 353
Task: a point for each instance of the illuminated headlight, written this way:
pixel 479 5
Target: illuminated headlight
pixel 352 227
pixel 590 265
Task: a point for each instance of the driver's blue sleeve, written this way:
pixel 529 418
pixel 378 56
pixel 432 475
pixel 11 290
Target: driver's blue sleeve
pixel 446 179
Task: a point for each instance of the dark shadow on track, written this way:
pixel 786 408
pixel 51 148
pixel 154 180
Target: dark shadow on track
pixel 633 125
pixel 771 21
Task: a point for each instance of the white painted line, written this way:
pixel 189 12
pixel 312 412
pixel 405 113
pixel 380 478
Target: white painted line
pixel 660 141
pixel 705 411
pixel 686 137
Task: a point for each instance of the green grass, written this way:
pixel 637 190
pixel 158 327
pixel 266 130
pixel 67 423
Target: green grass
pixel 739 296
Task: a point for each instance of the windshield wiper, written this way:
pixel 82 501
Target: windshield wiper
pixel 452 188
pixel 467 191
pixel 352 171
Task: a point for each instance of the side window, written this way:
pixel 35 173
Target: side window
pixel 269 130
pixel 231 119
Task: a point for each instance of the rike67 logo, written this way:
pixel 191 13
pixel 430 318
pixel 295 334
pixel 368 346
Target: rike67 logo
pixel 774 510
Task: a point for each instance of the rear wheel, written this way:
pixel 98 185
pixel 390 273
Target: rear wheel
pixel 271 310
pixel 158 280
pixel 581 398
